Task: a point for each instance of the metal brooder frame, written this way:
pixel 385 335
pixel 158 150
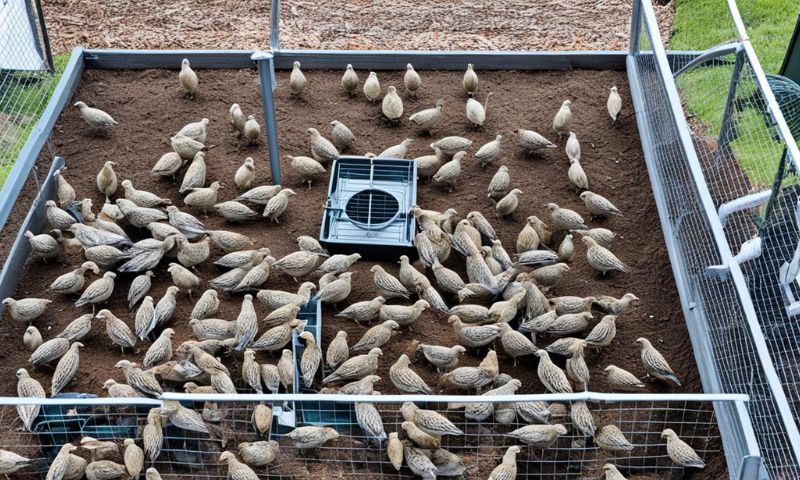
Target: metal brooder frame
pixel 649 72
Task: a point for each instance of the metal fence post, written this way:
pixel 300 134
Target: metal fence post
pixel 727 132
pixel 266 76
pixel 636 23
pixel 275 25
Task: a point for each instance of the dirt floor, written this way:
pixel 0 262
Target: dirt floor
pixel 150 108
pixel 359 24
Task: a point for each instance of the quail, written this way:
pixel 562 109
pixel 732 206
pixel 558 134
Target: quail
pixel 245 174
pixel 476 113
pixel 187 224
pixel 598 205
pixel 356 367
pixel 430 422
pixel 242 258
pixel 195 130
pixel 507 470
pixel 117 330
pixel 152 435
pixel 392 105
pixel 165 308
pixel 611 439
pixel 144 383
pixel 262 418
pixel 202 198
pixel 350 80
pixel 46 245
pixel 143 198
pixel 603 333
pixel 566 219
pixel 582 419
pixel 507 205
pixel 408 273
pixel 338 351
pixel 576 367
pixel 401 314
pixel 365 311
pixel 470 81
pixel 311 436
pixel 94 117
pixel 621 380
pixel 297 81
pixel 277 205
pixel 372 87
pixel 259 454
pixel 614 104
pixel 387 284
pixel 601 259
pixel 563 119
pixel 73 281
pixel 160 351
pixel 230 241
pixel 370 422
pixel 397 151
pixel 394 450
pixel 167 165
pixel 573 149
pixel 514 343
pixel 448 174
pixel 419 437
pixel 577 176
pixel 655 363
pixel 680 452
pixel 275 299
pixel 322 150
pixel 426 120
pixel 613 305
pixel 119 389
pixel 482 225
pixel 612 472
pixel 49 351
pixel 540 436
pixel 336 291
pixel 603 236
pixel 61 462
pixel 419 464
pixel 532 141
pixel 32 339
pixel 10 462
pixel 58 218
pixel 407 380
pixel 341 136
pixel 552 377
pixel 188 78
pixel 28 387
pixel 376 336
pixel 252 130
pixel 468 313
pixel 452 145
pixel 187 149
pixel 183 278
pixel 474 336
pixel 469 378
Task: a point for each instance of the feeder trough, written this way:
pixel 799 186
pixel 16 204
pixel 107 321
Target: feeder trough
pixel 367 208
pixel 315 413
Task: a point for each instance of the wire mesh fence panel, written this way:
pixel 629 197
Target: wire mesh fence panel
pixel 722 137
pixel 26 76
pixel 352 450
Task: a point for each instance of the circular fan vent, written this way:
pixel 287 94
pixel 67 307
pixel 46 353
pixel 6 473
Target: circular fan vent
pixel 372 208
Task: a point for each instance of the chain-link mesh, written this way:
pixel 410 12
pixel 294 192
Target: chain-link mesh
pixel 355 454
pixel 738 157
pixel 26 76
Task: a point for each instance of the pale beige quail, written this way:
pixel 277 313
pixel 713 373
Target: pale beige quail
pixel 507 470
pixel 277 205
pixel 563 119
pixel 252 130
pixel 392 105
pixel 611 439
pixel 401 314
pixel 407 380
pixel 365 311
pixel 540 436
pixel 614 104
pixel 338 351
pixel 426 120
pixel 601 259
pixel 655 363
pixel 356 367
pixel 552 377
pixel 188 78
pixel 430 422
pixel 94 116
pixel 245 174
pixel 532 141
pixel 49 351
pixel 397 151
pixel 297 81
pixel 28 387
pixel 680 452
pixel 311 436
pixel 372 87
pixel 470 81
pixel 350 80
pixel 32 338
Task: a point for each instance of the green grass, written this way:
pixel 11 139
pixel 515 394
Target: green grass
pixel 24 101
pixel 701 24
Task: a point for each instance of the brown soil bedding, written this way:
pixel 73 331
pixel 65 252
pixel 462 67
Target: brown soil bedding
pixel 150 108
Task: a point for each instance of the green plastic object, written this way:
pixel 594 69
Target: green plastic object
pixel 791 62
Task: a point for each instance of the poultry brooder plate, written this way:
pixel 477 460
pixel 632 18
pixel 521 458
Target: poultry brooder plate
pixel 367 211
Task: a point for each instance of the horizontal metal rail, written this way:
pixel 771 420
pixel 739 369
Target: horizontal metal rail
pixel 305 397
pixel 115 59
